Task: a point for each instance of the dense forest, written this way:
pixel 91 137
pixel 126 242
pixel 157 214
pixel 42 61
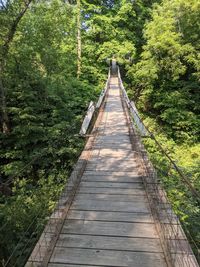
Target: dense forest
pixel 53 62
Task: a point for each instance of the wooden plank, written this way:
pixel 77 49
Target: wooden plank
pixel 114 143
pixel 112 132
pixel 115 243
pixel 184 260
pixel 179 246
pixel 112 185
pixel 121 124
pixel 114 139
pixel 129 160
pixel 101 97
pixel 109 243
pixel 110 178
pixel 114 161
pixel 112 191
pixel 127 146
pixel 107 161
pixel 116 136
pixel 115 154
pixel 87 119
pixel 109 228
pixel 41 247
pixel 107 258
pixel 33 264
pixel 108 197
pixel 38 264
pixel 110 216
pixel 173 231
pixel 111 173
pixel 67 265
pixel 110 167
pixel 110 206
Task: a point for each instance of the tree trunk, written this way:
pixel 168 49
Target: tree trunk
pixel 78 38
pixel 5 125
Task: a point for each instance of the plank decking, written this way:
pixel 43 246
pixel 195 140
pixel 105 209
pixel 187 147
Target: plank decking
pixel 109 222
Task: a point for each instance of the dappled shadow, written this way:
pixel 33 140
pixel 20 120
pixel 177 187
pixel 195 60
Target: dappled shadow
pixel 110 223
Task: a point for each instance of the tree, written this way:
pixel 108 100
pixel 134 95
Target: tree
pixel 46 104
pixel 78 38
pixel 166 77
pixel 19 10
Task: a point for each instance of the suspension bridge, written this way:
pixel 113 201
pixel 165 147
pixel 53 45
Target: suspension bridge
pixel 113 210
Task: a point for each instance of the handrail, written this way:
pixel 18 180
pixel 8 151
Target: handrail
pixel 104 91
pixel 92 108
pixel 87 119
pixel 144 130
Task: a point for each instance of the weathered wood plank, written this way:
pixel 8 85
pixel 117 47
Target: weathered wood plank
pixel 68 265
pixel 112 185
pixel 101 145
pixel 41 247
pixel 109 228
pixel 99 167
pixel 113 140
pixel 112 191
pixel 112 160
pixel 123 164
pixel 110 216
pixel 183 258
pixel 121 173
pixel 109 243
pixel 87 119
pixel 33 264
pixel 116 137
pixel 106 258
pixel 108 197
pixel 110 178
pixel 113 131
pixel 110 206
pixel 120 132
pixel 38 264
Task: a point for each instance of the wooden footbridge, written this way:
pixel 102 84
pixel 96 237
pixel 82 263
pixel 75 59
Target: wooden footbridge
pixel 113 211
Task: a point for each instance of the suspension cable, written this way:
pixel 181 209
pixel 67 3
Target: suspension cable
pixel 133 109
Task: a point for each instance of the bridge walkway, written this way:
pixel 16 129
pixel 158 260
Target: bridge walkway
pixel 110 222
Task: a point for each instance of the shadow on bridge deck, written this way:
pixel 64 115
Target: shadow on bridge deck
pixel 109 222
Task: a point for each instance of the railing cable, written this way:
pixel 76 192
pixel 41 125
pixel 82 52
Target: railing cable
pixel 134 110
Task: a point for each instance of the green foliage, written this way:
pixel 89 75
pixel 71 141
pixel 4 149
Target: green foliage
pixel 46 104
pixel 187 158
pixel 166 78
pixel 165 84
pixel 114 31
pixel 157 46
pixel 26 213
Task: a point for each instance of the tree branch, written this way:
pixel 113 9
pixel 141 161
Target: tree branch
pixel 5 125
pixel 13 28
pixel 2 4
